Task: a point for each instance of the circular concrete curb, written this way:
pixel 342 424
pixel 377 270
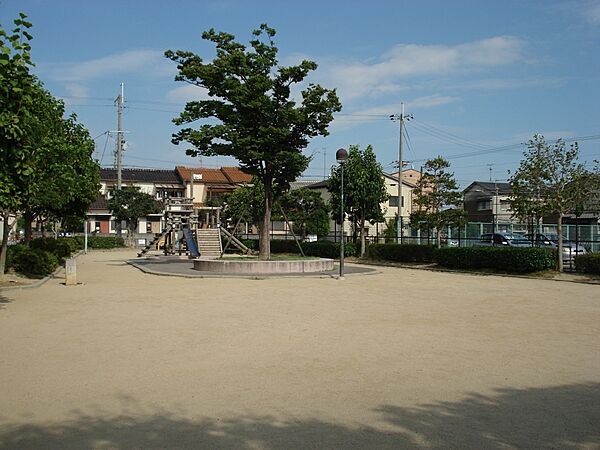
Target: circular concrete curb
pixel 177 268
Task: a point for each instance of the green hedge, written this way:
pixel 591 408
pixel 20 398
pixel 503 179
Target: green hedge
pixel 588 263
pixel 58 247
pixel 402 252
pixel 511 259
pixel 328 249
pixel 97 242
pixel 32 262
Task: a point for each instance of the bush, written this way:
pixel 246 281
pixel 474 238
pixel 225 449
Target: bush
pixel 34 262
pixel 284 246
pixel 11 252
pixel 97 242
pixel 252 244
pixel 401 252
pixel 511 260
pixel 58 247
pixel 328 249
pixel 588 263
pixel 74 243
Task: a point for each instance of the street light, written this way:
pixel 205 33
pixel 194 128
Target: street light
pixel 341 156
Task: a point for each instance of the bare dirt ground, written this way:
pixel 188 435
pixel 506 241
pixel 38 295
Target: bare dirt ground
pixel 401 359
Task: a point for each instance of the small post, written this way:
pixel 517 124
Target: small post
pixel 70 272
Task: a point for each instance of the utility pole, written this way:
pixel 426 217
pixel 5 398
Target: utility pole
pixel 401 119
pixel 119 151
pixel 119 136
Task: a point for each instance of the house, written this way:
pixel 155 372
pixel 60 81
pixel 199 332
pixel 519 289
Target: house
pixel 208 185
pixel 390 207
pixel 205 185
pixel 160 183
pixel 488 202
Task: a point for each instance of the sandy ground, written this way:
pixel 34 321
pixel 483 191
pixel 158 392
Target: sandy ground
pixel 401 359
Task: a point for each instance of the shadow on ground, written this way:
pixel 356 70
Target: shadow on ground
pixel 4 301
pixel 564 417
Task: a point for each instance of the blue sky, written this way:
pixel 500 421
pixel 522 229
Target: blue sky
pixel 479 77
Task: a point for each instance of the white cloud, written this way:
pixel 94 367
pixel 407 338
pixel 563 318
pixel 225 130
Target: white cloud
pixel 187 93
pixel 77 90
pixel 431 101
pixel 592 13
pixel 390 72
pixel 146 62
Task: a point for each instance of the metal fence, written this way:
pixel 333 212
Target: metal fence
pixel 586 235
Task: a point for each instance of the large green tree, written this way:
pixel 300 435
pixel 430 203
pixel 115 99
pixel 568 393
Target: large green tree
pixel 364 190
pixel 528 183
pixel 437 199
pixel 16 99
pixel 65 178
pixel 129 204
pixel 551 180
pixel 258 121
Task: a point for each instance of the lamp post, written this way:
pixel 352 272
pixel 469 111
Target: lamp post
pixel 341 155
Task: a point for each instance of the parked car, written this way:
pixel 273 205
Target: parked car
pixel 502 239
pixel 550 240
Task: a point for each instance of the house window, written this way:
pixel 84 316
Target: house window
pixel 394 201
pixel 483 205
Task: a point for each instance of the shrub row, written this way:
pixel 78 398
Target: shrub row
pixel 511 259
pixel 322 249
pixel 588 263
pixel 95 242
pixel 33 262
pixel 401 253
pixel 43 255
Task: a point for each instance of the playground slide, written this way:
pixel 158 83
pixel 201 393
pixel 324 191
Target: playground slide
pixel 192 245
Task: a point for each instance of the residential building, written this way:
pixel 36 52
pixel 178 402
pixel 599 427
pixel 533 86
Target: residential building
pixel 390 207
pixel 488 202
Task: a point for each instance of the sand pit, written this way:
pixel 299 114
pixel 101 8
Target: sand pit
pixel 399 359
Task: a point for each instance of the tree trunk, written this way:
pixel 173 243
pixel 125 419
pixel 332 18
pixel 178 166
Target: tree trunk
pixel 130 231
pixel 363 246
pixel 264 242
pixel 4 248
pixel 438 237
pixel 27 218
pixel 560 243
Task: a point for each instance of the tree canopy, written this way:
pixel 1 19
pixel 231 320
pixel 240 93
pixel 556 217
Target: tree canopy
pixel 364 190
pixel 437 199
pixel 46 166
pixel 308 212
pixel 258 122
pixel 551 180
pixel 129 204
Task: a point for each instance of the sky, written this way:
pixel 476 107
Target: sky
pixel 478 77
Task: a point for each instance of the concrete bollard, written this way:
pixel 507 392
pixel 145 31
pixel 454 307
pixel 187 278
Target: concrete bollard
pixel 70 272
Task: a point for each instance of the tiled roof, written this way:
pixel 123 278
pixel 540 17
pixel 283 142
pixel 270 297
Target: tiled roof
pixel 100 204
pixel 490 187
pixel 141 175
pixel 224 175
pixel 301 184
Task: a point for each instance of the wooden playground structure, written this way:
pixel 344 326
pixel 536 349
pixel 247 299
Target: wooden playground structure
pixel 192 231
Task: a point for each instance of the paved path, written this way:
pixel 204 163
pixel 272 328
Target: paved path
pixel 400 359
